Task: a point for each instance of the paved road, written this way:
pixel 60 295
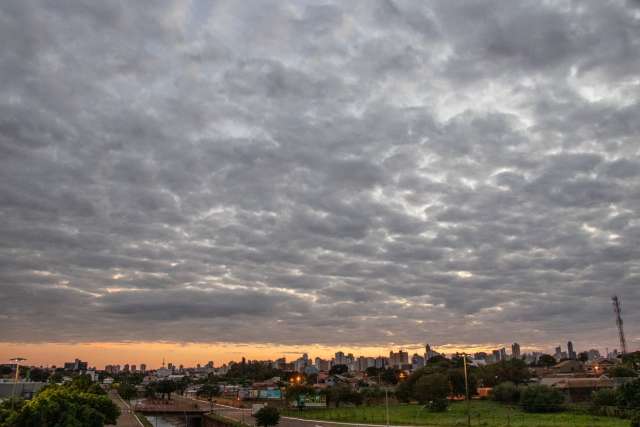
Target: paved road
pixel 126 418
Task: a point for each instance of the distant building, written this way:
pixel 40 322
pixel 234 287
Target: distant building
pixel 568 367
pixel 76 366
pixel 417 362
pixel 381 362
pixel 593 354
pixel 143 368
pixel 515 350
pixel 24 389
pixel 503 354
pixel 429 353
pixel 570 352
pixel 321 364
pixel 398 359
pixel 558 353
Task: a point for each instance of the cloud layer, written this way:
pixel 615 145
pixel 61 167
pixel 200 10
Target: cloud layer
pixel 362 173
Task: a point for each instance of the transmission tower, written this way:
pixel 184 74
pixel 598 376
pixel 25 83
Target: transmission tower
pixel 618 311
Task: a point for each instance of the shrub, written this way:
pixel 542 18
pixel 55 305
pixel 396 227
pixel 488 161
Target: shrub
pixel 438 405
pixel 629 395
pixel 603 402
pixel 605 397
pixel 506 392
pixel 540 398
pixel 267 416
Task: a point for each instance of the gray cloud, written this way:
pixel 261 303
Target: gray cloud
pixel 363 173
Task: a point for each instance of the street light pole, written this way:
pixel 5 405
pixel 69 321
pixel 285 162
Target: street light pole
pixel 17 360
pixel 466 388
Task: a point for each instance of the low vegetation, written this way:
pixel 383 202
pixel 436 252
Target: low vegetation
pixel 483 413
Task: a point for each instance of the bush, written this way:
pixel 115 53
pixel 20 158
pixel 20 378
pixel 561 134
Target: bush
pixel 605 397
pixel 603 402
pixel 540 398
pixel 635 419
pixel 438 405
pixel 506 392
pixel 629 395
pixel 267 416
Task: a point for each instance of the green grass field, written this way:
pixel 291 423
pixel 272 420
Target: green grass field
pixel 483 413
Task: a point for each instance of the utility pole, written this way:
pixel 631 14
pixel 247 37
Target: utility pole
pixel 618 312
pixel 386 398
pixel 466 388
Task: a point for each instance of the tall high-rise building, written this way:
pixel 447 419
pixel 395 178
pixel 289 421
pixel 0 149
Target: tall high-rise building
pixel 503 353
pixel 428 352
pixel 398 359
pixel 143 368
pixel 515 350
pixel 558 353
pixel 571 353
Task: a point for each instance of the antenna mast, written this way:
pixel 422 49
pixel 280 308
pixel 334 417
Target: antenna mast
pixel 618 312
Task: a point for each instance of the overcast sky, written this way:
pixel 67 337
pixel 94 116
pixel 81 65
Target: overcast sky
pixel 366 173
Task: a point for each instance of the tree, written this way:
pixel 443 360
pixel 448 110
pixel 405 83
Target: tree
pixel 294 392
pixel 541 398
pixel 209 391
pixel 602 401
pixel 583 356
pixel 165 388
pixel 546 360
pixel 338 370
pixel 38 375
pixel 65 406
pixel 150 391
pixel 629 395
pixel 267 416
pixel 515 371
pixel 456 379
pixel 632 360
pixel 343 393
pixel 621 372
pixel 127 391
pixel 432 388
pixel 372 371
pixel 506 392
pixel 389 376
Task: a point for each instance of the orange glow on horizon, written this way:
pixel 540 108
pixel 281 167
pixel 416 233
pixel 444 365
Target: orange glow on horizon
pixel 99 354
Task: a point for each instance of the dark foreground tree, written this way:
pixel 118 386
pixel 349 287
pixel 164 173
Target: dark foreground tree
pixel 432 389
pixel 541 398
pixel 629 395
pixel 506 392
pixel 267 416
pixel 65 406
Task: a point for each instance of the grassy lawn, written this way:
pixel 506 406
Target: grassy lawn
pixel 483 413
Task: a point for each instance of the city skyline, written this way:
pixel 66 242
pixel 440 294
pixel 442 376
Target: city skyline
pixel 253 176
pixel 153 355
